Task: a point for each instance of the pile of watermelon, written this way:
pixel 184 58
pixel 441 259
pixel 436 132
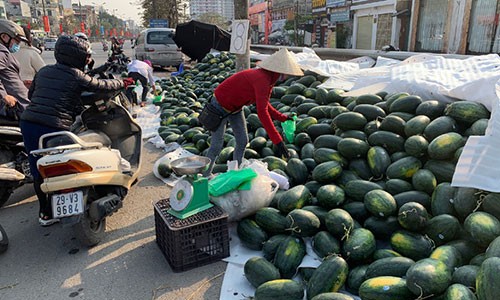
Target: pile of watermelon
pixel 370 186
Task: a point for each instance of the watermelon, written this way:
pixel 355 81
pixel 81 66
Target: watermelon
pixel 428 277
pixel 258 271
pixel 488 281
pixel 280 289
pixel 385 288
pixel 330 276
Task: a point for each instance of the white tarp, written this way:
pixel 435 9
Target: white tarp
pixel 434 77
pixel 429 76
pixel 235 286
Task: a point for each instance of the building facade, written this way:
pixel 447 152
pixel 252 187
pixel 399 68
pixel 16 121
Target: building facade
pixel 459 26
pixel 224 8
pixel 3 12
pixel 18 11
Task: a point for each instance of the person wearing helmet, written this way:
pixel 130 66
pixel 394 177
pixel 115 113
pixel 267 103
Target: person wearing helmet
pixel 141 71
pixel 30 57
pixel 83 36
pixel 13 92
pixel 55 102
pixel 116 47
pixel 252 86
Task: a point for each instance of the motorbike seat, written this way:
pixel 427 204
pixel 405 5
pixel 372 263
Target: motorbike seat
pixel 93 136
pixel 8 122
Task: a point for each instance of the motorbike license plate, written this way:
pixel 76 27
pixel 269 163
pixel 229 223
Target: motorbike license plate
pixel 67 204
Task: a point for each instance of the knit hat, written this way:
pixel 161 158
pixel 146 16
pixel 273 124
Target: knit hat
pixel 282 62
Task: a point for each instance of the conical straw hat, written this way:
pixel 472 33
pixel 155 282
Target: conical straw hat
pixel 282 62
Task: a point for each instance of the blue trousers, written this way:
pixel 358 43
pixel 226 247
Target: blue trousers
pixel 31 134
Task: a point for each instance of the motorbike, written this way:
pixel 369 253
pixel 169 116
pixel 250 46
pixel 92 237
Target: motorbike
pixel 14 165
pixel 88 171
pixel 4 240
pixel 119 62
pixel 103 72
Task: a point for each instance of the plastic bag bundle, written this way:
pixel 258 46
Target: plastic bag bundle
pixel 240 204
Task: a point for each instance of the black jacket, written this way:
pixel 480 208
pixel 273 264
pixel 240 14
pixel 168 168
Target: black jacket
pixel 55 95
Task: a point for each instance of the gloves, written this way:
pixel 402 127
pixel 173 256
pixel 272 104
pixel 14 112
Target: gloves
pixel 128 81
pixel 282 151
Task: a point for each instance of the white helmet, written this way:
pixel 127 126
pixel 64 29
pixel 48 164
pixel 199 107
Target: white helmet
pixel 82 36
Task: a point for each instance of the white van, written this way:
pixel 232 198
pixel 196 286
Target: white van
pixel 157 45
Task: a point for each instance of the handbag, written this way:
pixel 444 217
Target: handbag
pixel 210 117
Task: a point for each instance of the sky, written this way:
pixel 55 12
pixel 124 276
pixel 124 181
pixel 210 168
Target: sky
pixel 121 8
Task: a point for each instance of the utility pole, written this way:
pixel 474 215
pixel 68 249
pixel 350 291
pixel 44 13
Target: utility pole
pixel 295 25
pixel 155 10
pixel 241 13
pixel 80 9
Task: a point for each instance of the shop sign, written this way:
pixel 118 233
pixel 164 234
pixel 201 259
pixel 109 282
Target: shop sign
pixel 335 3
pixel 318 5
pixel 340 16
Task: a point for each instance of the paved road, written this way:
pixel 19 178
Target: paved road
pixel 48 263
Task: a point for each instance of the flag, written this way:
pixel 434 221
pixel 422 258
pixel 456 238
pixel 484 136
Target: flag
pixel 46 24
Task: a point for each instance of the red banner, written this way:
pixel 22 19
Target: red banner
pixel 46 24
pixel 29 25
pixel 82 27
pixel 60 28
pixel 97 32
pixel 89 32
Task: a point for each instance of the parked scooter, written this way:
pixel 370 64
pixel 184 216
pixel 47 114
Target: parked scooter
pixel 88 172
pixel 14 165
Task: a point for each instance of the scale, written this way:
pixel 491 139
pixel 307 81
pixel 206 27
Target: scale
pixel 189 195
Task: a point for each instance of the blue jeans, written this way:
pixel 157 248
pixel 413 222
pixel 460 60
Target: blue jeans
pixel 238 123
pixel 31 134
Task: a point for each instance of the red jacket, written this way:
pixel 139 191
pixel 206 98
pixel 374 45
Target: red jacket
pixel 248 87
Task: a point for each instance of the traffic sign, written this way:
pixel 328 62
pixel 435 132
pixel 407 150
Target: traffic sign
pixel 158 23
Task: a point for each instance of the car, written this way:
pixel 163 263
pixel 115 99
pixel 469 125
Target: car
pixel 49 43
pixel 158 46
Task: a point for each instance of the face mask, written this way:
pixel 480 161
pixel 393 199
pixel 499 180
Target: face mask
pixel 14 48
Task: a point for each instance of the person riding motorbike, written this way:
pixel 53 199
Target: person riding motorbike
pixel 116 48
pixel 13 92
pixel 29 56
pixel 56 101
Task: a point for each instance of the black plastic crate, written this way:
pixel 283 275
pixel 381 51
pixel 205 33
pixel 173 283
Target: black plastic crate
pixel 192 242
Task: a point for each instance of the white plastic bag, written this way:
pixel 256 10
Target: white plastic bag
pixel 240 204
pixel 281 180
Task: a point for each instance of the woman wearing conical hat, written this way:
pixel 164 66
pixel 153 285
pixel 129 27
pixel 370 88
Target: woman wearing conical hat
pixel 252 86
